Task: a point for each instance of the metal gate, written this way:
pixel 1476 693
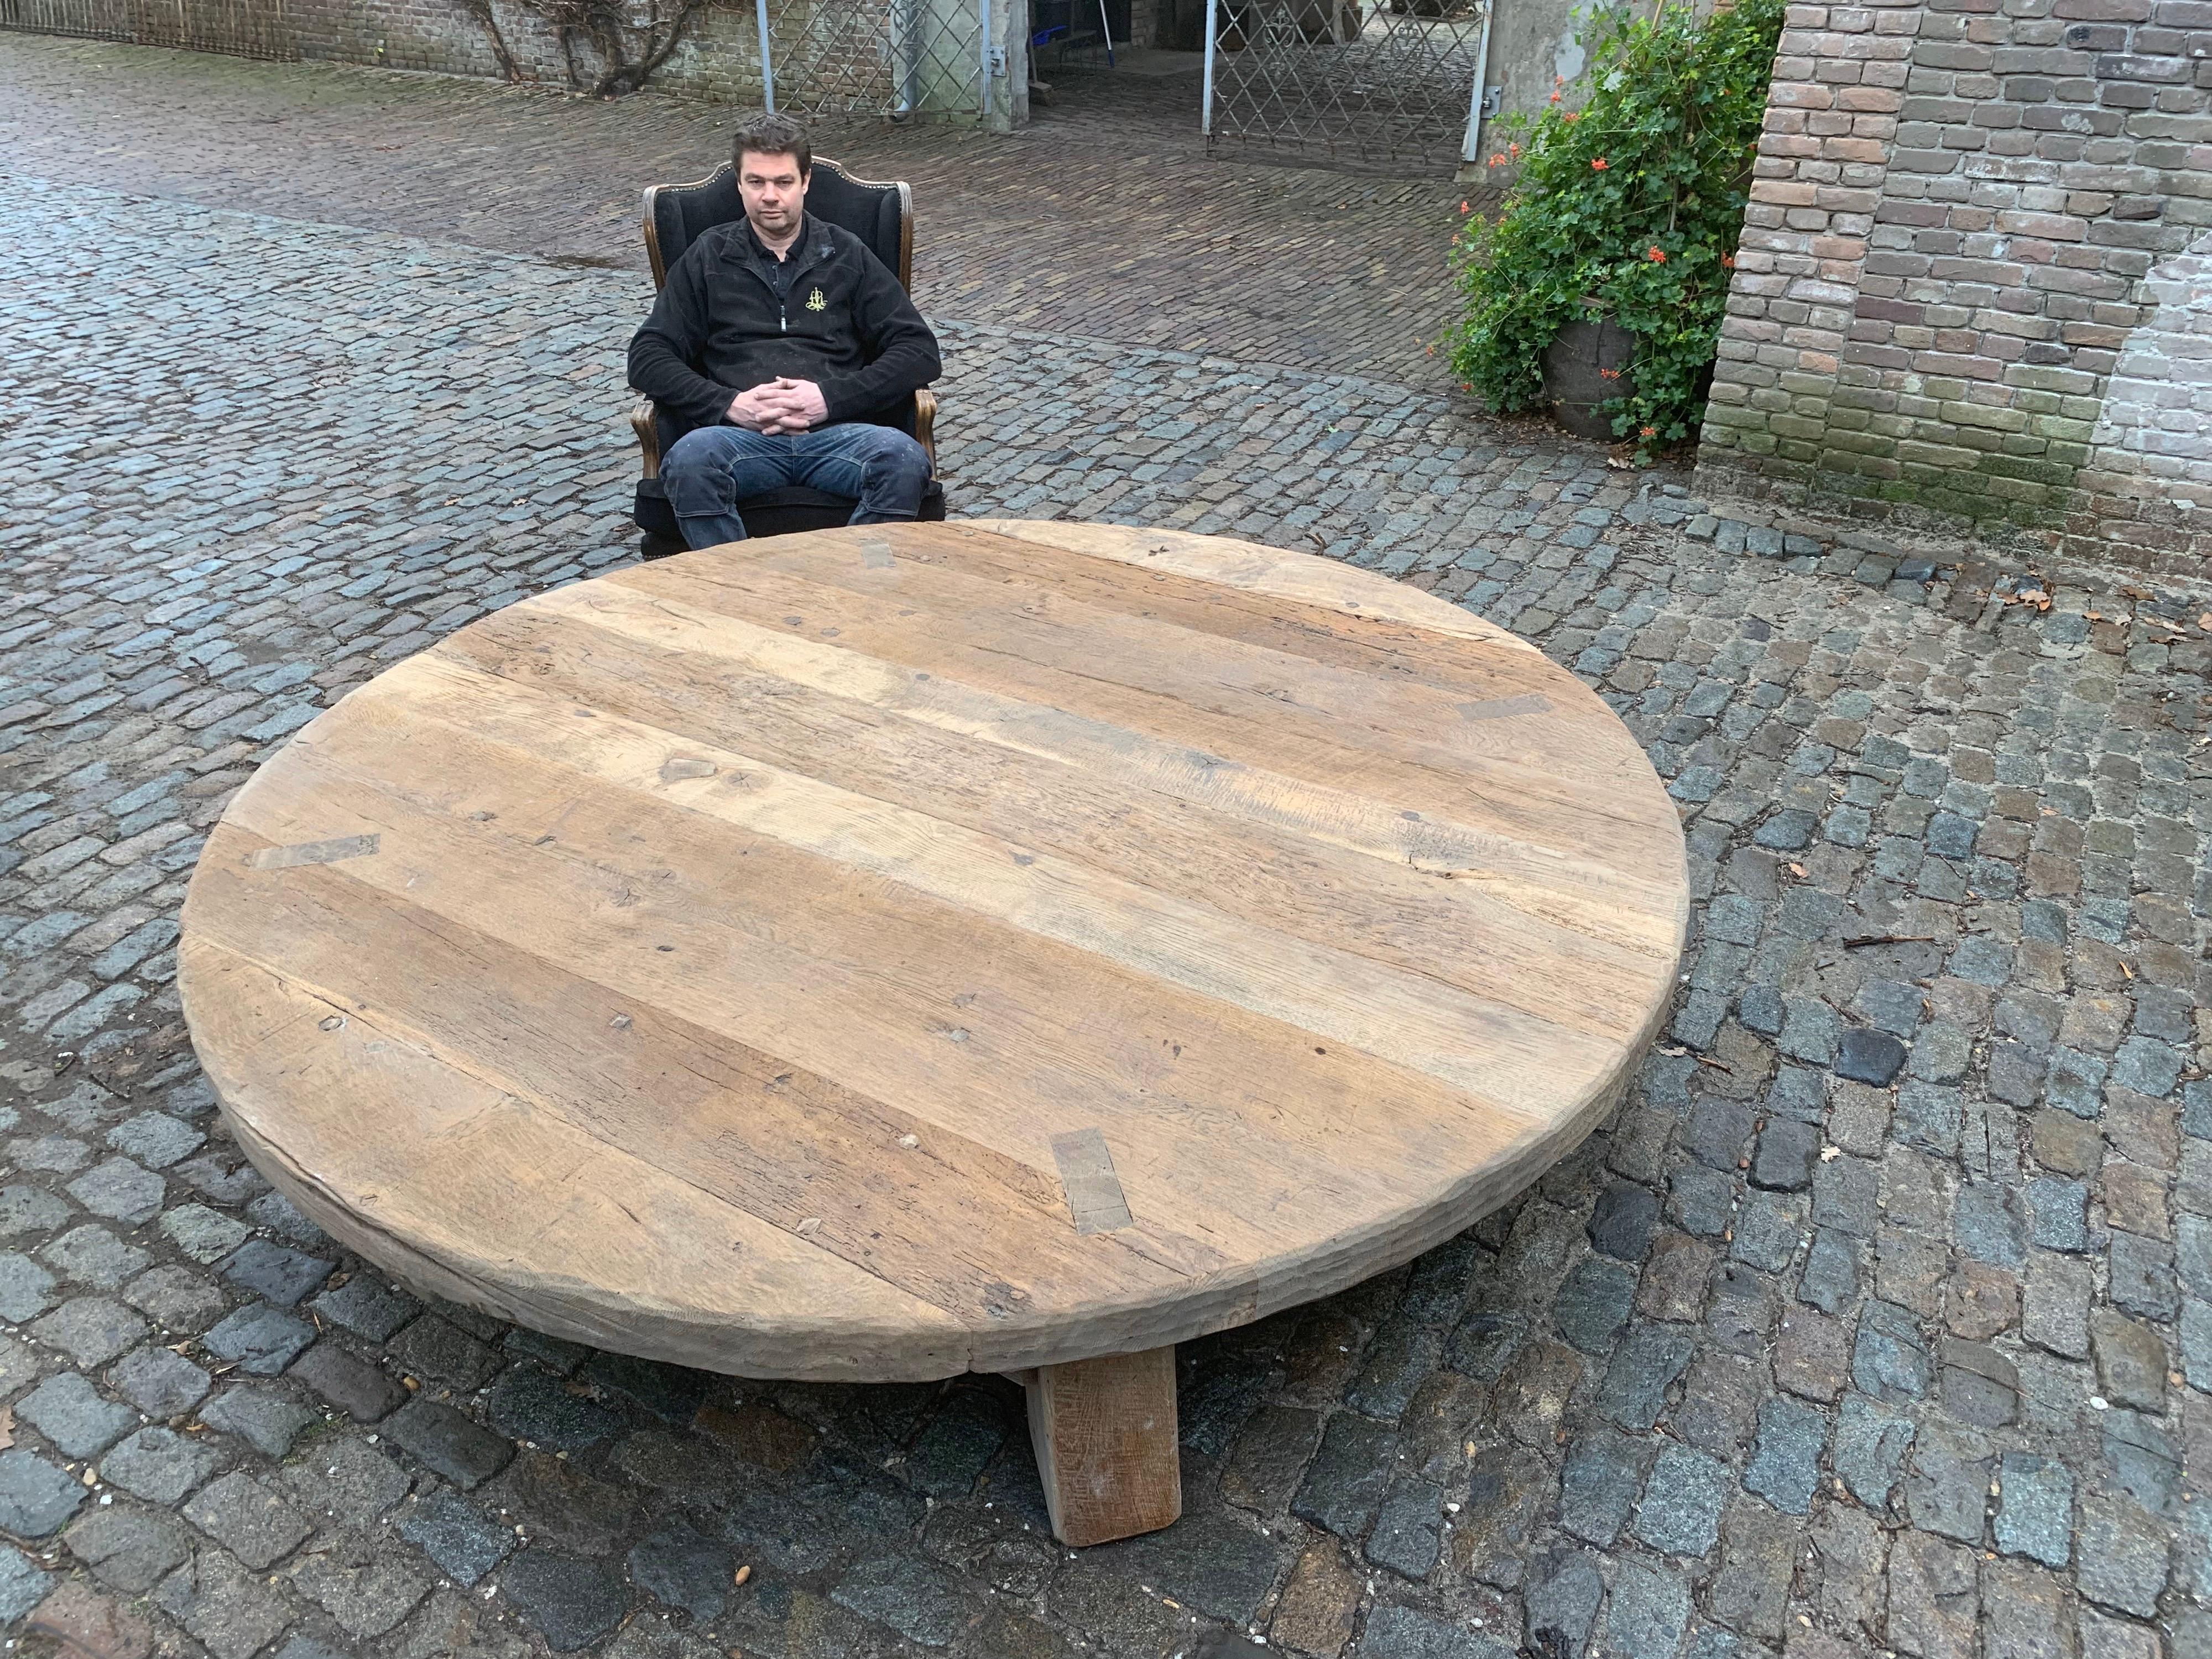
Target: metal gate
pixel 244 28
pixel 1377 82
pixel 899 58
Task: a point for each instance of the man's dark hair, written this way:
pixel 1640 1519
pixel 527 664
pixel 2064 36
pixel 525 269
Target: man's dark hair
pixel 771 135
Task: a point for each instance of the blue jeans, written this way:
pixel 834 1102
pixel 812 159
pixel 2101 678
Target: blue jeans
pixel 708 471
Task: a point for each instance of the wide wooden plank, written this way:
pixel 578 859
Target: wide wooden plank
pixel 1583 890
pixel 1454 931
pixel 746 1128
pixel 1254 567
pixel 1407 1017
pixel 474 1193
pixel 839 972
pixel 1024 1323
pixel 1240 705
pixel 1275 707
pixel 1320 632
pixel 913 948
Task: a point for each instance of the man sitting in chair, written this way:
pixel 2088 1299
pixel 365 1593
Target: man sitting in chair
pixel 775 340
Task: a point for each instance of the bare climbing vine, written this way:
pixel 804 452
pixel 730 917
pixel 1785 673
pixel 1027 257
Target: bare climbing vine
pixel 608 48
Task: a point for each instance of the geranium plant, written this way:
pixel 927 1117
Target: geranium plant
pixel 1630 206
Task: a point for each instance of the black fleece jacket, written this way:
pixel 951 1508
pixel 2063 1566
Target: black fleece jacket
pixel 721 327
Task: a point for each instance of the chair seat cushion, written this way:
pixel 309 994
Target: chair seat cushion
pixel 798 495
pixel 773 512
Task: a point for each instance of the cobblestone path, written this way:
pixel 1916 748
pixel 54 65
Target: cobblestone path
pixel 1058 228
pixel 1879 1319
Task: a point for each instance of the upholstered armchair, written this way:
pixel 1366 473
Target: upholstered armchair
pixel 882 215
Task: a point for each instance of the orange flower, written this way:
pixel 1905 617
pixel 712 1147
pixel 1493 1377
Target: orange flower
pixel 1572 115
pixel 1610 373
pixel 1513 149
pixel 1599 165
pixel 1657 256
pixel 1555 97
pixel 1651 431
pixel 1728 260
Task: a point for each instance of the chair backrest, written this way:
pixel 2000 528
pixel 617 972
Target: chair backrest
pixel 880 213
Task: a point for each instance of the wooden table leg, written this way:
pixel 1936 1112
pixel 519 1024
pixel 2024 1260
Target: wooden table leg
pixel 1105 1436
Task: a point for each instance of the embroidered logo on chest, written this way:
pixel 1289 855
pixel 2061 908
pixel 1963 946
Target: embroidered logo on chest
pixel 816 302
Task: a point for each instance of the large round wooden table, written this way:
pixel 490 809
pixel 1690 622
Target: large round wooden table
pixel 913 949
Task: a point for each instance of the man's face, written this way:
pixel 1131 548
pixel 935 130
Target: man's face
pixel 774 192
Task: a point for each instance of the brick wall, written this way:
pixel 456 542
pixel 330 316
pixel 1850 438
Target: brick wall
pixel 719 59
pixel 1971 288
pixel 720 56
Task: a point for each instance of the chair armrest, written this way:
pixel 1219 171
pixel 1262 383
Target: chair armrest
pixel 648 438
pixel 925 424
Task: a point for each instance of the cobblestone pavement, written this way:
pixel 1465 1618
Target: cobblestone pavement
pixel 1085 224
pixel 1879 1320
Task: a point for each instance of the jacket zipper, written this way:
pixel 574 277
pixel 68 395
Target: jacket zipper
pixel 782 305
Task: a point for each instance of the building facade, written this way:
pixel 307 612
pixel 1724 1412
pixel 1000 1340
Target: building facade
pixel 1975 283
pixel 1386 84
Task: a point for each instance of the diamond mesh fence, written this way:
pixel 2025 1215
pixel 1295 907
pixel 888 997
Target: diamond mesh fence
pixel 1343 82
pixel 243 29
pixel 899 58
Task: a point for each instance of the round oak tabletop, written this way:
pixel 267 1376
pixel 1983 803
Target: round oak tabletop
pixel 904 949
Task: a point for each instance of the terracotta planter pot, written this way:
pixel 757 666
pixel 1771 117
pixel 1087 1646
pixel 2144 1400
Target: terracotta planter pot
pixel 1587 365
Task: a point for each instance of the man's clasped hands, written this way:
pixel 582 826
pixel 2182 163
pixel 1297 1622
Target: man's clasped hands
pixel 780 406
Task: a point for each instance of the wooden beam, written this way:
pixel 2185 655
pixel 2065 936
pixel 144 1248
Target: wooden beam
pixel 1105 1435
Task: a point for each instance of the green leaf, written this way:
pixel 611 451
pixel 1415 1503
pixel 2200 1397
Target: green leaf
pixel 1678 128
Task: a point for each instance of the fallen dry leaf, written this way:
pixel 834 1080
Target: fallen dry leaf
pixel 7 1427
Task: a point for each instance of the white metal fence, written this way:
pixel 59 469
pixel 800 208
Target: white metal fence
pixel 1384 82
pixel 901 59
